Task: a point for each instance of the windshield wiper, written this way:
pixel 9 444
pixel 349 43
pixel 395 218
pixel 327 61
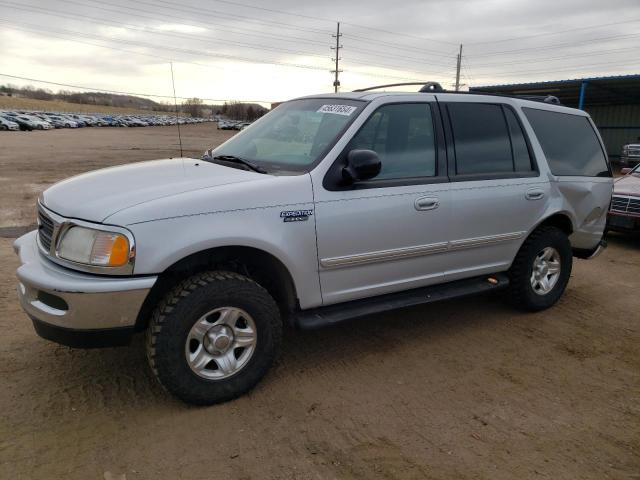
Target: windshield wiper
pixel 241 161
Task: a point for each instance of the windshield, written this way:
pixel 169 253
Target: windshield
pixel 293 136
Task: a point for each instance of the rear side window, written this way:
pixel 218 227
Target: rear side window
pixel 488 140
pixel 569 143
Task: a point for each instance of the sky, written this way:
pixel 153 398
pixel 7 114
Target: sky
pixel 276 50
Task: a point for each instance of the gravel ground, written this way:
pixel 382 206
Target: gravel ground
pixel 467 389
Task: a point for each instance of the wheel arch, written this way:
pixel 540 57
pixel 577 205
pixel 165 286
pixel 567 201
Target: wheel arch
pixel 261 266
pixel 560 220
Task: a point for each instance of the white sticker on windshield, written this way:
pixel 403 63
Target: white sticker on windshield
pixel 337 109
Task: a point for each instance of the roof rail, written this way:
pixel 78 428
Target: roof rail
pixel 534 98
pixel 541 98
pixel 427 87
pixel 435 87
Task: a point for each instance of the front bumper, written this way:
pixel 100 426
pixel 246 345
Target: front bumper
pixel 620 222
pixel 74 308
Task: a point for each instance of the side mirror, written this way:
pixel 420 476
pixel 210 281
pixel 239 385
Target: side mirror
pixel 208 155
pixel 625 171
pixel 361 165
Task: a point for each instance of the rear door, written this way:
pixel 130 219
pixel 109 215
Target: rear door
pixel 497 191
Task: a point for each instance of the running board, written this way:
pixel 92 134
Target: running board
pixel 332 314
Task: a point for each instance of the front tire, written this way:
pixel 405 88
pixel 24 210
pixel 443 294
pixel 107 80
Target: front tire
pixel 213 337
pixel 541 270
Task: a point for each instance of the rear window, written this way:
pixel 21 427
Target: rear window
pixel 569 143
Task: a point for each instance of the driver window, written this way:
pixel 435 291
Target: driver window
pixel 403 137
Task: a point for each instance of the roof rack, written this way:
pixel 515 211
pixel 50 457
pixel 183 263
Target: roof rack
pixel 426 87
pixel 435 87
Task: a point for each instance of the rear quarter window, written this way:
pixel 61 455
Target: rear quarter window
pixel 569 143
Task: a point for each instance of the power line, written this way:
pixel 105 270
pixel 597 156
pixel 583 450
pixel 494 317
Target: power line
pixel 397 57
pixel 565 69
pixel 117 92
pixel 194 23
pixel 360 50
pixel 200 11
pixel 272 10
pixel 547 47
pixel 39 29
pixel 560 32
pixel 370 41
pixel 62 37
pixel 151 30
pixel 416 37
pixel 550 59
pixel 366 39
pixel 389 66
pixel 64 34
pixel 198 37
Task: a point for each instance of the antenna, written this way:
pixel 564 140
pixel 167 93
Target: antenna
pixel 175 102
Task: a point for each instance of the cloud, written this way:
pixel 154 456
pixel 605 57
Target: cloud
pixel 224 50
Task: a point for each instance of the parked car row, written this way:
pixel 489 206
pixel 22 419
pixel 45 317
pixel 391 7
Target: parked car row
pixel 232 125
pixel 28 120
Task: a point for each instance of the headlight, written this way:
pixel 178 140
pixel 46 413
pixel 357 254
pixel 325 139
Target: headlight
pixel 94 247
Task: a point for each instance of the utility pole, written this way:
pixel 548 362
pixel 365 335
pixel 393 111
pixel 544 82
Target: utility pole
pixel 458 69
pixel 336 82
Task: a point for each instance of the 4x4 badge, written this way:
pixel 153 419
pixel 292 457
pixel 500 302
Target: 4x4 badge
pixel 296 215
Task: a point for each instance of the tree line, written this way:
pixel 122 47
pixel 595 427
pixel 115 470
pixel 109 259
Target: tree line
pixel 194 106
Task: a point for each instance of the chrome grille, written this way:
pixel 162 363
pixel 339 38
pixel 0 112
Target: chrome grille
pixel 626 204
pixel 45 230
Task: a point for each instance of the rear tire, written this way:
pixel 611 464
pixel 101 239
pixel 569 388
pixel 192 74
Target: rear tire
pixel 541 270
pixel 213 337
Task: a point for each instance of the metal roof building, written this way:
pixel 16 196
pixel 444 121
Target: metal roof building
pixel 613 103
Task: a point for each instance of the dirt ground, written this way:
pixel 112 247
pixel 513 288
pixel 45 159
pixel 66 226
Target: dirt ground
pixel 468 389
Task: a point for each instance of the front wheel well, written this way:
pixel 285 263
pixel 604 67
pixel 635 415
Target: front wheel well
pixel 262 267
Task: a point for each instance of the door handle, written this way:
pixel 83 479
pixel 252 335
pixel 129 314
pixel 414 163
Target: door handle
pixel 427 203
pixel 534 194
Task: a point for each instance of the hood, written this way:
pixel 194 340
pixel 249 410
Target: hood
pixel 96 195
pixel 627 185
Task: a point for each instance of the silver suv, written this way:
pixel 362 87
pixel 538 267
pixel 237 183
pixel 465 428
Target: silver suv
pixel 328 208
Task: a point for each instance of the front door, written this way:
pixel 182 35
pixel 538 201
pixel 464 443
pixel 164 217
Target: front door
pixel 389 233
